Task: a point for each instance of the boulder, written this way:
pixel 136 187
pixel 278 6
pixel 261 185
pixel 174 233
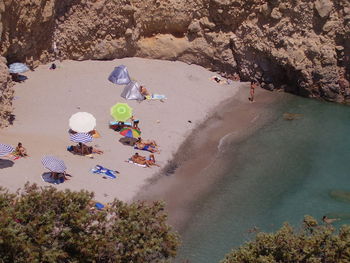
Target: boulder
pixel 323 7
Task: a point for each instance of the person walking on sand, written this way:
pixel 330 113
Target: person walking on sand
pixel 253 86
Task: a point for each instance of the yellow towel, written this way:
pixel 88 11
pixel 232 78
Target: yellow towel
pixel 96 134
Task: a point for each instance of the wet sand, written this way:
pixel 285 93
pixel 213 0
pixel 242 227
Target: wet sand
pixel 201 158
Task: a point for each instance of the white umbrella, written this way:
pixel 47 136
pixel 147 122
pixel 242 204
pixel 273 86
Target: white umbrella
pixel 82 122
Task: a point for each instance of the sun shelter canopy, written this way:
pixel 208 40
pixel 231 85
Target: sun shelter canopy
pixel 120 75
pixel 132 92
pixel 16 68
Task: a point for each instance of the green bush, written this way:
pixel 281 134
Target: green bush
pixel 47 225
pixel 312 243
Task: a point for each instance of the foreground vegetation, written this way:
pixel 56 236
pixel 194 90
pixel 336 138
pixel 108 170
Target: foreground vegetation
pixel 312 243
pixel 47 225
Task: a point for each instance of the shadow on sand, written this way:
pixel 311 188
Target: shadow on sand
pixel 4 163
pixel 48 179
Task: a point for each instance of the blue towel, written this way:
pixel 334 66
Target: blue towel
pixel 116 123
pixel 99 206
pixel 98 169
pixel 158 97
pixel 47 178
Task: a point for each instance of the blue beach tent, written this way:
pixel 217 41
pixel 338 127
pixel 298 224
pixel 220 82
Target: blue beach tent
pixel 119 75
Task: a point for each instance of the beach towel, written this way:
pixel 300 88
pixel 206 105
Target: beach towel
pixel 96 134
pixel 116 123
pixel 141 165
pixel 156 97
pixel 98 169
pixel 99 206
pixel 48 179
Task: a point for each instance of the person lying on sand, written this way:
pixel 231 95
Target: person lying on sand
pixel 146 145
pixel 139 159
pixel 20 151
pixel 57 176
pixel 83 149
pixel 147 142
pixel 88 149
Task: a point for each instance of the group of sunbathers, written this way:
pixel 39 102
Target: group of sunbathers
pixel 139 143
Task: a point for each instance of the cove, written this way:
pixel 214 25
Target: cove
pixel 284 170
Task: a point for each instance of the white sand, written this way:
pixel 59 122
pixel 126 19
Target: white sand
pixel 45 102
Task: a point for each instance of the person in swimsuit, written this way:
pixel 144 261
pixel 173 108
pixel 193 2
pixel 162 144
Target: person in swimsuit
pixel 144 91
pixel 147 145
pixel 139 159
pixel 58 176
pixel 83 149
pixel 20 151
pixel 253 86
pixel 135 123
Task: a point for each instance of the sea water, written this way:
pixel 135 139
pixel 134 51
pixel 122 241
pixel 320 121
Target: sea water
pixel 287 169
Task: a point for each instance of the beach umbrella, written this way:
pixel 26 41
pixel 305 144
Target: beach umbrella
pixel 82 122
pixel 130 132
pixel 5 149
pixel 80 137
pixel 121 112
pixel 53 164
pixel 18 68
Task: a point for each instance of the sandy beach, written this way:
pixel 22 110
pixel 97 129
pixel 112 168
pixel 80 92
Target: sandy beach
pixel 45 101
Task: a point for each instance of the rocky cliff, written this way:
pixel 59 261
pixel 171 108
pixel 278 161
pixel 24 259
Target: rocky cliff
pixel 301 46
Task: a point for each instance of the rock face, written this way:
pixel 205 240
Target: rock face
pixel 301 46
pixel 6 95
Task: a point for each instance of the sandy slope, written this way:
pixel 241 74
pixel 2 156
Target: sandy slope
pixel 48 98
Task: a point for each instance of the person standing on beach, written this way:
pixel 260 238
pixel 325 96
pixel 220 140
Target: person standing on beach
pixel 253 86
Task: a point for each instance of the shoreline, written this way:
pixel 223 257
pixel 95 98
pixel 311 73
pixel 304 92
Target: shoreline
pixel 44 103
pixel 190 180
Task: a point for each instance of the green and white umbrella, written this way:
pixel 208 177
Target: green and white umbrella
pixel 121 112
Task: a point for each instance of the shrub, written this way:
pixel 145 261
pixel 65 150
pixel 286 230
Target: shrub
pixel 313 243
pixel 46 225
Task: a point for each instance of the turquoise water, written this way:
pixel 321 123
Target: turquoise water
pixel 284 171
